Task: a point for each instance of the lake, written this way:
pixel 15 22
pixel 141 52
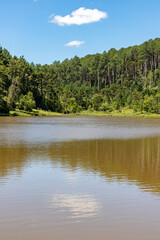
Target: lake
pixel 79 178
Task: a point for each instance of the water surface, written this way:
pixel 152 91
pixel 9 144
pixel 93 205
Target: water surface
pixel 79 178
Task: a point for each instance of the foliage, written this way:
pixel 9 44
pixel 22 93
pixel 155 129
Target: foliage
pixel 111 81
pixel 3 106
pixel 26 102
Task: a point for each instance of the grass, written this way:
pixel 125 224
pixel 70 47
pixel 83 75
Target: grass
pixel 35 112
pixel 121 113
pixel 116 113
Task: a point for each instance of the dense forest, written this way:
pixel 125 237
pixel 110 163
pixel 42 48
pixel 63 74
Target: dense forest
pixel 126 78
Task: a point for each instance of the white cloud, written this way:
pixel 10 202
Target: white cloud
pixel 74 44
pixel 79 17
pixel 51 16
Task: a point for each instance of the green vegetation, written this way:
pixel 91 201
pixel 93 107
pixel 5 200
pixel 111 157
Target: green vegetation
pixel 34 112
pixel 118 82
pixel 115 113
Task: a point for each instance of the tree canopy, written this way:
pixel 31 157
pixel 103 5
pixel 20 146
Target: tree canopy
pixel 129 77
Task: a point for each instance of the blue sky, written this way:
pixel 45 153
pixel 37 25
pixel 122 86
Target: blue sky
pixel 92 26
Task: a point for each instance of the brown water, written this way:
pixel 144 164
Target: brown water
pixel 79 178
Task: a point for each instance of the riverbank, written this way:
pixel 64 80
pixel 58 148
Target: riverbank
pixel 22 113
pixel 116 113
pixel 122 113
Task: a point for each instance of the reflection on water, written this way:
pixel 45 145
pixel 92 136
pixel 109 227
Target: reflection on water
pixel 80 206
pixel 12 160
pixel 116 160
pixel 40 131
pixel 135 160
pixel 79 178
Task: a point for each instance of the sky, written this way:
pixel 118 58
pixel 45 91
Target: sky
pixel 47 30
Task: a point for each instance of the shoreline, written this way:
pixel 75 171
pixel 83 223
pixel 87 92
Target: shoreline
pixel 42 113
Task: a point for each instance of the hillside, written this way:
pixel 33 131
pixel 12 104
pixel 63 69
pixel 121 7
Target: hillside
pixel 126 78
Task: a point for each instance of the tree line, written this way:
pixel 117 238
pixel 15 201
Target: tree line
pixel 117 79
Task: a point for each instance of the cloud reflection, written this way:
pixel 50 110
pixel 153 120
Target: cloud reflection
pixel 79 206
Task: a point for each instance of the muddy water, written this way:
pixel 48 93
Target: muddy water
pixel 79 178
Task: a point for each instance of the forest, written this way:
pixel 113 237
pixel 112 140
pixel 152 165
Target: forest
pixel 128 78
